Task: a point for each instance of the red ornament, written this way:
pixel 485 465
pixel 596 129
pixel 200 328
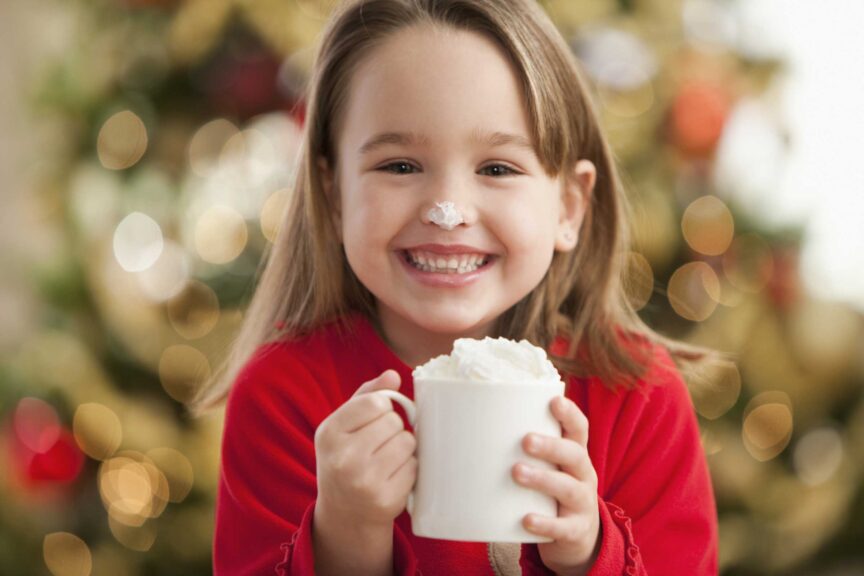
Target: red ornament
pixel 697 118
pixel 41 451
pixel 61 463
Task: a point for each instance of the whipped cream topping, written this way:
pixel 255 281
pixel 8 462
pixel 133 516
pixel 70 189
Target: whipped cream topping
pixel 445 215
pixel 490 360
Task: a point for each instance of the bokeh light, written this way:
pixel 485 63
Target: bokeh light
pixel 273 212
pixel 138 242
pixel 122 141
pixel 708 226
pixel 167 276
pixel 205 147
pixel 133 488
pixel 818 455
pixel 638 280
pixel 220 235
pixel 97 430
pixel 126 490
pixel 195 311
pixel 182 370
pixel 730 296
pixel 715 389
pixel 694 291
pixel 767 425
pixel 177 469
pixel 66 555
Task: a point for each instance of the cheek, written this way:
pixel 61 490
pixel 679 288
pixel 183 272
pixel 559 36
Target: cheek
pixel 529 227
pixel 360 208
pixel 359 232
pixel 370 222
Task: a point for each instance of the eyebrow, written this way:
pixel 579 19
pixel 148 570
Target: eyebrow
pixel 397 138
pixel 491 139
pixel 496 139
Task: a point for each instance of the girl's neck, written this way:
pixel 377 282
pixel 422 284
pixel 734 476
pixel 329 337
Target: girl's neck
pixel 415 345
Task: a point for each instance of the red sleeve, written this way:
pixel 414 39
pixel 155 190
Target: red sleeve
pixel 267 486
pixel 657 512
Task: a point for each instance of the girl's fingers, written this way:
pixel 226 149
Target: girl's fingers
pixel 387 380
pixel 376 434
pixel 393 453
pixel 567 490
pixel 404 478
pixel 571 456
pixel 567 529
pixel 574 423
pixel 365 406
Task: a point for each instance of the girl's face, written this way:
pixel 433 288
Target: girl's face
pixel 437 115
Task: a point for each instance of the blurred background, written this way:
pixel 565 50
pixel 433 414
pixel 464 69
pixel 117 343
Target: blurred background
pixel 147 154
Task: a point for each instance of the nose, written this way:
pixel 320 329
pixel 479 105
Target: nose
pixel 450 209
pixel 445 215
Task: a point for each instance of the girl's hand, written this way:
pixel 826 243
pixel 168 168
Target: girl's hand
pixel 576 530
pixel 365 459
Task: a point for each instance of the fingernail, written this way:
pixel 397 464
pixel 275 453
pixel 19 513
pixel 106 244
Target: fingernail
pixel 533 443
pixel 525 472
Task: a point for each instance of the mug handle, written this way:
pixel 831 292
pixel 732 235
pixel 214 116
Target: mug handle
pixel 411 412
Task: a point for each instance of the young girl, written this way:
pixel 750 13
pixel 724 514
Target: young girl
pixel 454 183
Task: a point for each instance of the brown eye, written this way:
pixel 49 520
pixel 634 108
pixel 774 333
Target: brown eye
pixel 398 168
pixel 498 170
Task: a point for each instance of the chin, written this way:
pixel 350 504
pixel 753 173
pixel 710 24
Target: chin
pixel 455 325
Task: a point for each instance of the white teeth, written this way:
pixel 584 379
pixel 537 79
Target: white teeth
pixel 453 264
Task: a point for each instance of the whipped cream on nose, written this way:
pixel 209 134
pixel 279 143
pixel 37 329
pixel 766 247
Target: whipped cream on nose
pixel 445 215
pixel 491 360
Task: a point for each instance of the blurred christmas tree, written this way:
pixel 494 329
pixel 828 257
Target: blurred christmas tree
pixel 179 124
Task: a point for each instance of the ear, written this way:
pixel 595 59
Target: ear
pixel 577 188
pixel 331 192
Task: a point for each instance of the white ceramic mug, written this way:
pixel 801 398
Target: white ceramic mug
pixel 469 436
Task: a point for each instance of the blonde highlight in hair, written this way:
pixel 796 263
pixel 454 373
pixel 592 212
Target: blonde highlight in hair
pixel 307 281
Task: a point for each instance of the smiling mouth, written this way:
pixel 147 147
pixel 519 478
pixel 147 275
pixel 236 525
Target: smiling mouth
pixel 446 263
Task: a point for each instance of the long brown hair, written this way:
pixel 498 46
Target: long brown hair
pixel 307 280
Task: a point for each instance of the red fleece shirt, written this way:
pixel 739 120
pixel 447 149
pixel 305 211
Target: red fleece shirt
pixel 657 507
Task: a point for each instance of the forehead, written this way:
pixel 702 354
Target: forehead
pixel 437 82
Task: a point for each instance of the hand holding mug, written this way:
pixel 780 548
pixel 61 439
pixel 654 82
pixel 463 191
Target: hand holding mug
pixel 576 529
pixel 365 458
